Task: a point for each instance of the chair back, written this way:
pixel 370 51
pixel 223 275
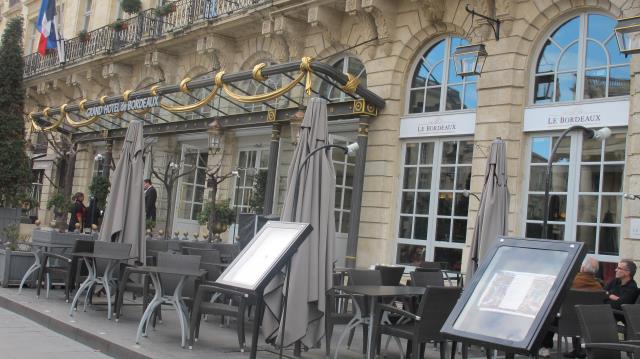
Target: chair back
pixel 391 275
pixel 207 255
pixel 84 245
pixel 435 306
pixel 431 266
pixel 178 261
pixel 213 271
pixel 153 248
pixel 109 248
pixel 228 251
pixel 598 325
pixel 632 320
pixel 365 277
pixel 568 325
pixel 425 279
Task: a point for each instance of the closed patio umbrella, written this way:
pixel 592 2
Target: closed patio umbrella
pixel 124 219
pixel 493 212
pixel 311 266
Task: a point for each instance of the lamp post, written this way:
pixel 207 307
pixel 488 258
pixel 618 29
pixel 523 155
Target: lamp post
pixel 600 134
pixel 349 150
pixel 468 193
pixel 469 59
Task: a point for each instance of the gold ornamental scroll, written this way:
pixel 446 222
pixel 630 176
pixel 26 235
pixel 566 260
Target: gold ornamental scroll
pixel 184 88
pixel 78 124
pixel 305 71
pixel 53 126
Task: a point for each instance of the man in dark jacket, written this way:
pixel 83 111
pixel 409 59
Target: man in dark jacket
pixel 623 289
pixel 150 196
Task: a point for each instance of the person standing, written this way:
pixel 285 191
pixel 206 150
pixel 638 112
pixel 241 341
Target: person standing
pixel 150 196
pixel 78 212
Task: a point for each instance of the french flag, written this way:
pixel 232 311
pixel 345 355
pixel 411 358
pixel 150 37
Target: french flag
pixel 46 25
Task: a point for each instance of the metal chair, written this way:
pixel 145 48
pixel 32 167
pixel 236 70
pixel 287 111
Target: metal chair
pixel 568 325
pixel 435 305
pixel 391 275
pixel 600 334
pixel 65 266
pixel 228 304
pixel 632 320
pixel 153 248
pixel 424 279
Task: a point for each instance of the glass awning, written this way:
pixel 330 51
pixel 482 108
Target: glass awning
pixel 264 95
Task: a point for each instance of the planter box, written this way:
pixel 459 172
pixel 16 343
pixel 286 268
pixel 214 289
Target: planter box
pixel 55 237
pixel 13 266
pixel 8 216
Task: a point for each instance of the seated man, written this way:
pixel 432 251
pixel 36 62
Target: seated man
pixel 584 280
pixel 623 289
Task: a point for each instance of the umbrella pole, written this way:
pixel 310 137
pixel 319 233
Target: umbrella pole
pixel 284 309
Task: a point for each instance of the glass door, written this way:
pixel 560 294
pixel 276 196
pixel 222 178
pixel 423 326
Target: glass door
pixel 432 221
pixel 190 190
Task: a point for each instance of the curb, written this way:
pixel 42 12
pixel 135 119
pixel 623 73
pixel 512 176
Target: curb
pixel 80 335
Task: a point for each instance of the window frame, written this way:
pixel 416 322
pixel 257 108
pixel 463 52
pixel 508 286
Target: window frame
pixel 246 207
pixel 341 183
pixel 430 243
pixel 445 80
pixel 346 60
pixel 581 66
pixel 86 14
pixel 573 190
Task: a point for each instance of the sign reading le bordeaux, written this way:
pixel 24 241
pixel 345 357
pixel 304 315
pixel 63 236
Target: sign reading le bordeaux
pixel 137 104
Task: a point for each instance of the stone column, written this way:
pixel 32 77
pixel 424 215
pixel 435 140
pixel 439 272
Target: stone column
pixel 108 155
pixel 629 247
pixel 356 194
pixel 270 189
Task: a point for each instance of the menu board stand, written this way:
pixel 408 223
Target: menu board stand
pixel 513 297
pixel 260 261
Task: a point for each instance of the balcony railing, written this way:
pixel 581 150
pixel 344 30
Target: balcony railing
pixel 146 25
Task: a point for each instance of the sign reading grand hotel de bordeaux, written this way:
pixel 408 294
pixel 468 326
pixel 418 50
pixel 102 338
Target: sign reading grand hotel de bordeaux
pixel 137 104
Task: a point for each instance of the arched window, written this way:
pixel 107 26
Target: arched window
pixel 580 60
pixel 435 87
pixel 346 64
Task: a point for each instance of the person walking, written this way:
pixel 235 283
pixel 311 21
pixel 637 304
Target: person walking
pixel 150 196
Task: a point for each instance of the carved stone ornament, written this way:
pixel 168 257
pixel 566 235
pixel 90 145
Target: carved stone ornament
pixel 432 10
pixel 384 14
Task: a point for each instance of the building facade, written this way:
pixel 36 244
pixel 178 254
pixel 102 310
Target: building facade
pixel 555 64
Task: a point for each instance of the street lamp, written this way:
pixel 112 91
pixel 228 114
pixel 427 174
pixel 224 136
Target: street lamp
pixel 469 59
pixel 467 193
pixel 295 121
pixel 215 136
pixel 600 134
pixel 628 35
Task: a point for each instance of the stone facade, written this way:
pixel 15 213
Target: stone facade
pixel 387 36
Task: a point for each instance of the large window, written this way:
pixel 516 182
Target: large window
pixel 192 185
pixel 580 60
pixel 586 191
pixel 344 166
pixel 86 15
pixel 250 164
pixel 435 86
pixel 432 223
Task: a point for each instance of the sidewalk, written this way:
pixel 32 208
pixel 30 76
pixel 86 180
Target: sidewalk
pixel 22 338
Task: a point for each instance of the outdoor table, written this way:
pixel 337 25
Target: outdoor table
pixel 373 293
pixel 92 278
pixel 159 298
pixel 37 248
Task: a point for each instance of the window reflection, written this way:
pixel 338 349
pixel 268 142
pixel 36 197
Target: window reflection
pixel 604 72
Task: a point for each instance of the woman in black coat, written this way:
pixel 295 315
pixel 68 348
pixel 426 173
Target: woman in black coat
pixel 78 212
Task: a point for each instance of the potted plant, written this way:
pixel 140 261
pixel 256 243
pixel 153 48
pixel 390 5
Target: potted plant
pixel 224 214
pixel 84 36
pixel 259 188
pixel 61 207
pixel 166 9
pixel 131 6
pixel 15 260
pixel 119 25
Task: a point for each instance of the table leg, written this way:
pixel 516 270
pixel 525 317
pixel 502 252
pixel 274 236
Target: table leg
pixel 176 300
pixel 94 280
pixel 155 302
pixel 34 267
pixel 370 349
pixel 88 282
pixel 106 283
pixel 256 325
